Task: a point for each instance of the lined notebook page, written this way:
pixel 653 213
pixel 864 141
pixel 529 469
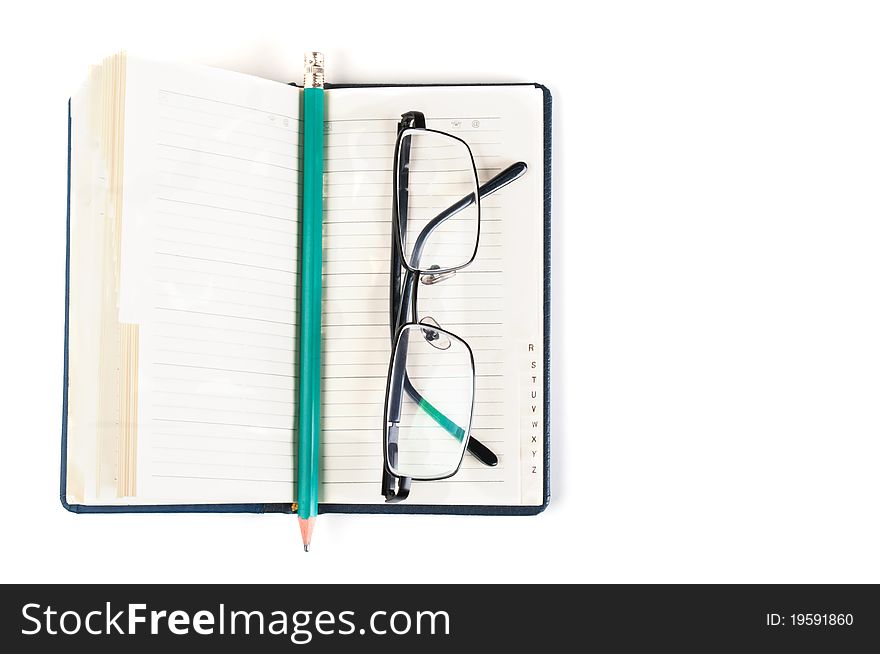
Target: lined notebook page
pixel 495 303
pixel 210 273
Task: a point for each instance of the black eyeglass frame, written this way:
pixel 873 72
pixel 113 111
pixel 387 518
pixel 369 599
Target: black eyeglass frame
pixel 404 283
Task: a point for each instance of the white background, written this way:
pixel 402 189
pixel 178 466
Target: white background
pixel 716 251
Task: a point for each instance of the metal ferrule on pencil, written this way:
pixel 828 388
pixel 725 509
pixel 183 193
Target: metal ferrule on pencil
pixel 314 71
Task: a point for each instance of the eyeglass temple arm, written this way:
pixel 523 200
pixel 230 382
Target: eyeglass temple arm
pixel 396 489
pixel 483 454
pixel 502 179
pixel 400 293
pixel 499 181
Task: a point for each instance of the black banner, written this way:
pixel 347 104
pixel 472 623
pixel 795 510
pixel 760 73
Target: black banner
pixel 435 618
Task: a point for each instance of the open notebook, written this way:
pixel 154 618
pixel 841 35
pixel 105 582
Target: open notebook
pixel 181 343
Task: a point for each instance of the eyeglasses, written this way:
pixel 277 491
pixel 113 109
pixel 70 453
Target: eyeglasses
pixel 429 397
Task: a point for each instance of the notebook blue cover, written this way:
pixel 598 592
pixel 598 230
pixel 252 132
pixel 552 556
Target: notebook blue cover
pixel 333 508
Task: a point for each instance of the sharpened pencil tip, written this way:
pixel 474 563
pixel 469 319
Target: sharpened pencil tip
pixel 306 527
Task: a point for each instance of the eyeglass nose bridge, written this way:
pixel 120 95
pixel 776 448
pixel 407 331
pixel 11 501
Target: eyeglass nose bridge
pixel 429 278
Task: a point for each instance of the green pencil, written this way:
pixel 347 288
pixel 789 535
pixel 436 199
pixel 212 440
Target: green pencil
pixel 310 303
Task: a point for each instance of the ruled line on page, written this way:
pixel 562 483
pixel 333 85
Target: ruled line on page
pixel 238 170
pixel 227 156
pixel 227 182
pixel 286 230
pixel 289 152
pixel 222 208
pixel 216 194
pixel 289 142
pixel 210 100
